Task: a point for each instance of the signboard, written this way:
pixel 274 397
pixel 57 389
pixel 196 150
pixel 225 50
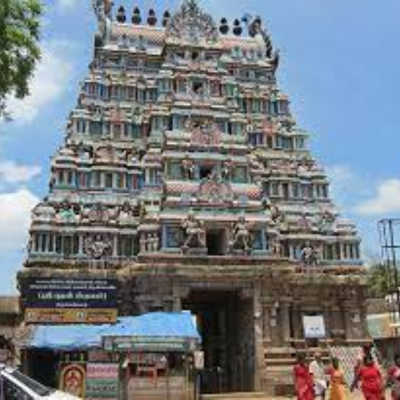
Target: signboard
pixel 314 326
pixel 72 379
pixel 150 344
pixel 102 381
pixel 59 300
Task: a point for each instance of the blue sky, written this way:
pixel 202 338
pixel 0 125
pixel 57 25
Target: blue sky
pixel 340 66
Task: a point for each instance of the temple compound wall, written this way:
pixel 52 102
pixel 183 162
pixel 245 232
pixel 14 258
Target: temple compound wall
pixel 185 177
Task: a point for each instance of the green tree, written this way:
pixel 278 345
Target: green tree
pixel 381 280
pixel 19 47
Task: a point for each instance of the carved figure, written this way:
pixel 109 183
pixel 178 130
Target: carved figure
pixel 276 214
pixel 194 231
pixel 103 11
pixel 310 255
pixel 97 246
pixel 241 236
pixel 190 23
pixel 188 168
pixel 257 31
pixel 326 221
pixel 98 213
pixel 44 212
pixel 226 171
pixel 213 190
pixel 125 214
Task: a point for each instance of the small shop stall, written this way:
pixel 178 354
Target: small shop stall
pixel 157 356
pixel 148 357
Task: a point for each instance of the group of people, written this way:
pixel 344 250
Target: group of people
pixel 313 380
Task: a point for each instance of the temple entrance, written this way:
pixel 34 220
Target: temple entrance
pixel 225 324
pixel 216 242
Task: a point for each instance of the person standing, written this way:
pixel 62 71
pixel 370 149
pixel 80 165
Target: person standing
pixel 393 378
pixel 318 372
pixel 338 390
pixel 371 380
pixel 303 379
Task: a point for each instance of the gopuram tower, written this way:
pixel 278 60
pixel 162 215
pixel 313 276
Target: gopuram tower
pixel 185 178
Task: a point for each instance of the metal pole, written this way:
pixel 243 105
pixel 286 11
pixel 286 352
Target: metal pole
pixel 394 261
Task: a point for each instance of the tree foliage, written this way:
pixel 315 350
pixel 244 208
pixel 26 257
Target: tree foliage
pixel 382 280
pixel 19 49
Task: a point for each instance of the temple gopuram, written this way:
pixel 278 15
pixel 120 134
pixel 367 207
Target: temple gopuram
pixel 185 179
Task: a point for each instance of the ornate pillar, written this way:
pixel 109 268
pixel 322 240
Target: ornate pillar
pixel 285 321
pixel 115 246
pixel 259 358
pixel 267 306
pixel 346 310
pixel 176 297
pixel 80 245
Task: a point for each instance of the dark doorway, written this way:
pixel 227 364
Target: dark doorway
pixel 205 171
pixel 43 366
pixel 226 337
pixel 216 242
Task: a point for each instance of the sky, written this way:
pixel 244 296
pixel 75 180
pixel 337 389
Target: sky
pixel 340 63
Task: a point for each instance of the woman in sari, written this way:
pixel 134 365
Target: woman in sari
pixel 337 388
pixel 303 379
pixel 371 380
pixel 393 379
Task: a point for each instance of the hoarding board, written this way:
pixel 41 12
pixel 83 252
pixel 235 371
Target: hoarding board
pixel 102 381
pixel 62 300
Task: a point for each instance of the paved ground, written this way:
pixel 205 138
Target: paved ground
pixel 354 396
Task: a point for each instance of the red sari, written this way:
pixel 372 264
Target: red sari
pixel 394 379
pixel 371 382
pixel 304 382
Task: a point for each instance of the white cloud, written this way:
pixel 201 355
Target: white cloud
pixel 11 172
pixel 385 201
pixel 342 184
pixel 15 218
pixel 52 77
pixel 66 5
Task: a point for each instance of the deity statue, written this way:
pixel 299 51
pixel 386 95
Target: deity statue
pixel 326 221
pixel 97 246
pixel 195 233
pixel 125 214
pixel 188 168
pixel 276 214
pixel 98 213
pixel 260 34
pixel 226 170
pixel 103 10
pixel 241 236
pixel 44 212
pixel 68 212
pixel 310 255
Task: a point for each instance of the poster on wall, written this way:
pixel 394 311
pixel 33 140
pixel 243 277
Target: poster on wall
pixel 102 381
pixel 314 326
pixel 63 301
pixel 72 379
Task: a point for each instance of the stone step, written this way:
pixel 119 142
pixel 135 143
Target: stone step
pixel 238 396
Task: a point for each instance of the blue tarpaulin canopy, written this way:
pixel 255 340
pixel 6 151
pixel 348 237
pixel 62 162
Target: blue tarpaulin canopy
pixel 147 326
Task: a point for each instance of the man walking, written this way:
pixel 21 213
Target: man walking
pixel 318 372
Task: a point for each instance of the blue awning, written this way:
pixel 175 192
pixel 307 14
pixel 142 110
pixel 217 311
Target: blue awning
pixel 83 337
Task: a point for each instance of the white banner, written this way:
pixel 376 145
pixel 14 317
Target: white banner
pixel 314 326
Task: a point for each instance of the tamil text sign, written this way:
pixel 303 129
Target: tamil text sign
pixel 102 382
pixel 58 300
